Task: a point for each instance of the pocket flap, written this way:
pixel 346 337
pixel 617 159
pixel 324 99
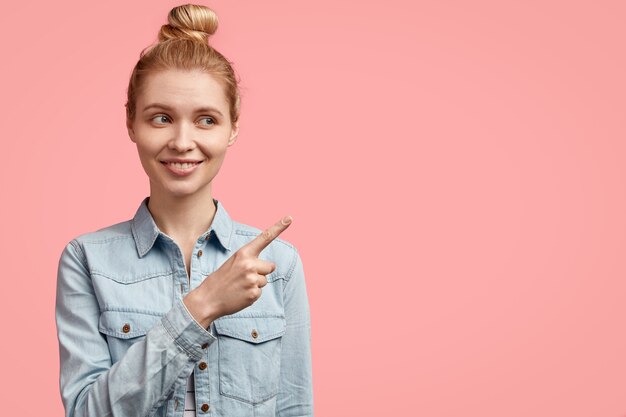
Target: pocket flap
pixel 251 329
pixel 126 324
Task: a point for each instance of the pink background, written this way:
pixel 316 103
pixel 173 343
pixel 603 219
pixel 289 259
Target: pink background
pixel 456 172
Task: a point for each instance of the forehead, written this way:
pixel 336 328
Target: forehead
pixel 183 90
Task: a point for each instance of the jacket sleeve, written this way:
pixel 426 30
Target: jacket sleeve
pixel 144 377
pixel 295 397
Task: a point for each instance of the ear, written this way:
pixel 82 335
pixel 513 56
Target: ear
pixel 131 132
pixel 234 133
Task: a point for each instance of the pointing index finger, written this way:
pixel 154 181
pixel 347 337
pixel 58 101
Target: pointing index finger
pixel 266 237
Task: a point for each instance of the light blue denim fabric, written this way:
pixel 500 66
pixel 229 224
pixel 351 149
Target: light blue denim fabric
pixel 128 344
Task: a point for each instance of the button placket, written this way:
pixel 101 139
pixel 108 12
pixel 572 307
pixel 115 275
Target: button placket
pixel 199 251
pixel 203 381
pixel 180 272
pixel 202 374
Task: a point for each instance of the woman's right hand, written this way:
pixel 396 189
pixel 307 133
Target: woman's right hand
pixel 237 283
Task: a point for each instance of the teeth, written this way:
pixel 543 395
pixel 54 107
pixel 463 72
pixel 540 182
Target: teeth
pixel 181 166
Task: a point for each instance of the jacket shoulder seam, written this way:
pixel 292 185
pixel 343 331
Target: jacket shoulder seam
pixel 79 251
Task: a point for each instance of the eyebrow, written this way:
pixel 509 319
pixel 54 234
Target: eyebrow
pixel 198 110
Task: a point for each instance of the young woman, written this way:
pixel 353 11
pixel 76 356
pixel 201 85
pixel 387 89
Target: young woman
pixel 182 310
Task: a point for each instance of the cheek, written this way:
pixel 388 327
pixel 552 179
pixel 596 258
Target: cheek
pixel 144 152
pixel 147 145
pixel 214 150
pixel 147 155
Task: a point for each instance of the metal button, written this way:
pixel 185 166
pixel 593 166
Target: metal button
pixel 204 408
pixel 204 346
pixel 126 328
pixel 254 334
pixel 200 253
pixel 207 236
pixel 202 366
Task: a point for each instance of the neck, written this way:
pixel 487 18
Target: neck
pixel 182 218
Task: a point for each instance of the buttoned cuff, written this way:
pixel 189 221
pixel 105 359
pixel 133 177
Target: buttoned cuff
pixel 209 329
pixel 186 331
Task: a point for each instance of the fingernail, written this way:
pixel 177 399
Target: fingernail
pixel 287 219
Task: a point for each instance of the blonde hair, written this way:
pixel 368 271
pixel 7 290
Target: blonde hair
pixel 183 44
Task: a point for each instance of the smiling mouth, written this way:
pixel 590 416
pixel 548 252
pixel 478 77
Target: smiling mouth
pixel 181 169
pixel 178 165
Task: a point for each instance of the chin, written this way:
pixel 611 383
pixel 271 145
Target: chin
pixel 185 191
pixel 182 192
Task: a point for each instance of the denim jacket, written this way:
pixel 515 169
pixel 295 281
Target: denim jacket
pixel 127 343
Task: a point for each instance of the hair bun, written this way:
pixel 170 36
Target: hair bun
pixel 189 21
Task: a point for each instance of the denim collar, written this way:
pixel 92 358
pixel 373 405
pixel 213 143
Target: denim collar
pixel 145 230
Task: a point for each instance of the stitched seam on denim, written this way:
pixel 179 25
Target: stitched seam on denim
pixel 79 252
pixel 277 277
pixel 246 400
pixel 124 336
pixel 265 339
pixel 169 333
pixel 177 340
pixel 232 334
pixel 293 264
pixel 108 307
pixel 251 315
pixel 106 240
pixel 138 278
pixel 133 230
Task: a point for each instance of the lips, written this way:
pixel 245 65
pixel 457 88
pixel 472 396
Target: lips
pixel 181 168
pixel 181 165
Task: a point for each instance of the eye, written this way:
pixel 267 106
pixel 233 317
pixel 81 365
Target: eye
pixel 159 118
pixel 210 121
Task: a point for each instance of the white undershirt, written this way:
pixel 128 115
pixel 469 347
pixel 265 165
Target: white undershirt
pixel 190 398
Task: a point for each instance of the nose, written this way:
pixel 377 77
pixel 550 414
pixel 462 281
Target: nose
pixel 182 141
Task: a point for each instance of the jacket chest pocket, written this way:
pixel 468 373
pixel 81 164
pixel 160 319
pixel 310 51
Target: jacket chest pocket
pixel 124 328
pixel 249 351
pixel 151 292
